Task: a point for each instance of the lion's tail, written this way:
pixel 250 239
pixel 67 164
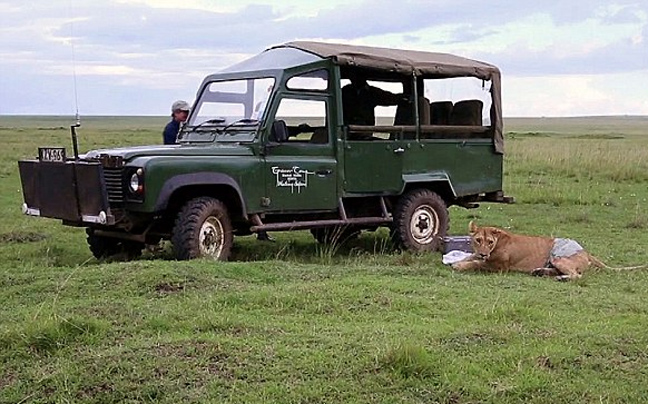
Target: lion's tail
pixel 600 264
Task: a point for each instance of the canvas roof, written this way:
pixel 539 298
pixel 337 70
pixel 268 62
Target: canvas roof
pixel 401 60
pixel 411 61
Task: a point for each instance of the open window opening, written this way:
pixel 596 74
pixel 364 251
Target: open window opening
pixel 304 121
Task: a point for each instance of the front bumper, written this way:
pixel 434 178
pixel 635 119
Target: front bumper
pixel 73 191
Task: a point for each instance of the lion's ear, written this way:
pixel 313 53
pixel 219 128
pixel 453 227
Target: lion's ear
pixel 472 227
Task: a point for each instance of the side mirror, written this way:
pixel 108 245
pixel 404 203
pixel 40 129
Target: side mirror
pixel 279 131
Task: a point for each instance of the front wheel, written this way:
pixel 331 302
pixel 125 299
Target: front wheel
pixel 203 229
pixel 420 221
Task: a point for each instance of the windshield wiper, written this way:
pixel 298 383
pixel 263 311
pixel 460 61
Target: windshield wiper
pixel 193 128
pixel 246 121
pixel 209 121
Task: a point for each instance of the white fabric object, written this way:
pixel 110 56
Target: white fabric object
pixel 565 247
pixel 454 256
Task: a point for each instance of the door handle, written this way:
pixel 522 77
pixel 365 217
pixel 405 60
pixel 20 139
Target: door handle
pixel 324 173
pixel 400 150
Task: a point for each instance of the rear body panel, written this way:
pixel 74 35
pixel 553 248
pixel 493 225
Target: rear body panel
pixel 471 165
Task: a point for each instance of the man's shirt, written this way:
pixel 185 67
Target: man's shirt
pixel 170 133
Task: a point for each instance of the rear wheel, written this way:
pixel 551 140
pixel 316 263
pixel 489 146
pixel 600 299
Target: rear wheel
pixel 106 247
pixel 203 229
pixel 420 221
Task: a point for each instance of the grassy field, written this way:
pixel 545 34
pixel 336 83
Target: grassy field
pixel 294 322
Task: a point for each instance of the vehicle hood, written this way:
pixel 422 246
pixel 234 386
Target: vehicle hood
pixel 128 153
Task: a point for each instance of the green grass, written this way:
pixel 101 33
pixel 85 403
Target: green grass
pixel 295 322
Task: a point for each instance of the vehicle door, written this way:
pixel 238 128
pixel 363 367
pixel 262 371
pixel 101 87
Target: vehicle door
pixel 300 166
pixel 373 146
pixel 373 162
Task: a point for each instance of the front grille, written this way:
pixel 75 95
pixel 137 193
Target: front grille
pixel 114 185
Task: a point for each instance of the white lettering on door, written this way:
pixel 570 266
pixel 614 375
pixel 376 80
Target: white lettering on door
pixel 293 178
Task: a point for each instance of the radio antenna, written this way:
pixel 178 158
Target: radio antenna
pixel 74 75
pixel 75 141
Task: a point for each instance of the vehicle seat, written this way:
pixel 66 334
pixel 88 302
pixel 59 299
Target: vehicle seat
pixel 467 112
pixel 405 112
pixel 440 112
pixel 320 136
pixel 424 111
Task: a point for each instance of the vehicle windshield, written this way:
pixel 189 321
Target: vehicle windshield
pixel 228 111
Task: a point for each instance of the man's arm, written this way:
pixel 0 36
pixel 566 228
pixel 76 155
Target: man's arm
pixel 301 128
pixel 386 98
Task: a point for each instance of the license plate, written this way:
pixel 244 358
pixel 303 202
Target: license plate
pixel 51 154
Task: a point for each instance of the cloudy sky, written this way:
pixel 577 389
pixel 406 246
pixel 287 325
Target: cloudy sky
pixel 135 57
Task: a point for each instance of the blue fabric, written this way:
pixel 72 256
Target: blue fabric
pixel 170 133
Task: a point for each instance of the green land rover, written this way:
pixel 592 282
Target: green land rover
pixel 267 147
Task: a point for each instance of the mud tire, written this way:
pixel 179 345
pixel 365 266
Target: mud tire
pixel 203 229
pixel 420 221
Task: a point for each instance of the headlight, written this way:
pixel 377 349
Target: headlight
pixel 136 182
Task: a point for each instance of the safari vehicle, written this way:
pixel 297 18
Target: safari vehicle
pixel 266 148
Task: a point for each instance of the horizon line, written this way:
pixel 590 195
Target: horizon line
pixel 167 116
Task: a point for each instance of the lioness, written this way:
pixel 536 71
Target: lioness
pixel 498 250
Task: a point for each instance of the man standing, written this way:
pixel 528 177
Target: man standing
pixel 179 113
pixel 359 99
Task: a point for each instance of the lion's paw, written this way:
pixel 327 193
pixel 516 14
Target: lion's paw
pixel 539 272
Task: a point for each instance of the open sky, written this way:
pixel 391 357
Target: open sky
pixel 135 57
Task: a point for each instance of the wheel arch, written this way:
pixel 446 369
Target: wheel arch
pixel 436 182
pixel 179 189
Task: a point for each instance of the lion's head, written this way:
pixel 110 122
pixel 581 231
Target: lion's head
pixel 483 239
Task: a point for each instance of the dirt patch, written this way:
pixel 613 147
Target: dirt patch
pixel 21 237
pixel 639 222
pixel 95 390
pixel 220 365
pixel 7 380
pixel 210 358
pixel 544 362
pixel 166 287
pixel 460 341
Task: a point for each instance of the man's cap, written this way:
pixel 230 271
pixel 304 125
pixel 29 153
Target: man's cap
pixel 180 105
